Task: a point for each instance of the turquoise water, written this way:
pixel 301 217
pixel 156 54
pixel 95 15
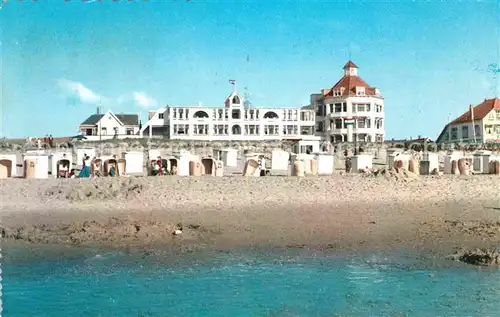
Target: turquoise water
pixel 245 284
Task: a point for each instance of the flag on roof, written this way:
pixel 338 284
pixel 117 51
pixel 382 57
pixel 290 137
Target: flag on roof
pixel 232 81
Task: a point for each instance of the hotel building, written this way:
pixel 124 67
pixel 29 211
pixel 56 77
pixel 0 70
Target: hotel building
pixel 350 111
pixel 235 120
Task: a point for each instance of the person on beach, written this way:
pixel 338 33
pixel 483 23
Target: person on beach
pixel 85 171
pixel 160 166
pixel 112 171
pixel 348 165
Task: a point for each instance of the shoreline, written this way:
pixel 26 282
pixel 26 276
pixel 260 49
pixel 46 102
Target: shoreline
pixel 434 215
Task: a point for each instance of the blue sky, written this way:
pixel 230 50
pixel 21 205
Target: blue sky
pixel 430 60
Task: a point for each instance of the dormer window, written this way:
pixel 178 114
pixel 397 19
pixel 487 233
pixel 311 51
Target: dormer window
pixel 377 91
pixel 236 100
pixel 337 93
pixel 360 91
pixel 342 89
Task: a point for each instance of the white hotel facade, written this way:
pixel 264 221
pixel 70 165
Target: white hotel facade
pixel 325 119
pixel 350 100
pixel 234 121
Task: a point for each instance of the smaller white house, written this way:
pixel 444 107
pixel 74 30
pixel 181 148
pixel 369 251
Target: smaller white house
pixel 109 126
pixel 479 124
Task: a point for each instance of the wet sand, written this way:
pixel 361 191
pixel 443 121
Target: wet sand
pixel 343 213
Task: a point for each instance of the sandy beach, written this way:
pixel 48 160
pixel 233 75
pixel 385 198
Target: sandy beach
pixel 351 212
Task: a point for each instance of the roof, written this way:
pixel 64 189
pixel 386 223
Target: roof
pixel 480 111
pixel 350 64
pixel 349 83
pixel 126 119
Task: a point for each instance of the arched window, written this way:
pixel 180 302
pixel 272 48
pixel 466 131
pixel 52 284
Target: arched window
pixel 200 114
pixel 271 115
pixel 236 100
pixel 236 129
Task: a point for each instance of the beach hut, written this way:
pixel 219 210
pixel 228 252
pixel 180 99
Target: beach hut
pixel 361 162
pixel 219 168
pixel 448 162
pixel 36 166
pixel 82 152
pixel 134 161
pixel 208 165
pixel 280 160
pixel 481 162
pixel 8 164
pixel 252 167
pixel 229 157
pixel 309 166
pixel 429 163
pixel 60 164
pixel 108 163
pixel 298 167
pixel 95 167
pixel 398 156
pixel 325 162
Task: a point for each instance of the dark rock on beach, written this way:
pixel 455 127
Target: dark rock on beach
pixel 479 257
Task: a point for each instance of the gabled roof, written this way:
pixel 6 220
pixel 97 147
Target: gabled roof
pixel 123 119
pixel 480 111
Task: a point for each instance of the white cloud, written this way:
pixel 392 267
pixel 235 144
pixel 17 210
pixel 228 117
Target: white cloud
pixel 140 99
pixel 78 90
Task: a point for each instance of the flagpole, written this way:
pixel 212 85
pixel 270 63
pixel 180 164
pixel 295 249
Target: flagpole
pixel 473 125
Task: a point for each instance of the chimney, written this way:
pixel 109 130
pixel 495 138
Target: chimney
pixel 98 110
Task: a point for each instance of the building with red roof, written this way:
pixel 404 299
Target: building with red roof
pixel 351 110
pixel 478 124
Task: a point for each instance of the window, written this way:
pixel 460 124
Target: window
pixel 378 108
pixel 361 123
pixel 361 107
pixel 488 129
pixel 115 130
pixel 336 93
pixel 338 107
pixel 498 114
pixel 160 116
pixel 379 123
pixel 454 132
pixel 465 132
pixel 104 131
pixel 477 130
pixel 128 131
pixel 236 114
pixel 360 91
pixel 320 110
pixel 320 127
pixel 344 107
pixel 338 123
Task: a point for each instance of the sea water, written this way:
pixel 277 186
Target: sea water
pixel 244 284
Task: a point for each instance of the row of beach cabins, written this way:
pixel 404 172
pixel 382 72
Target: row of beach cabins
pixel 40 164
